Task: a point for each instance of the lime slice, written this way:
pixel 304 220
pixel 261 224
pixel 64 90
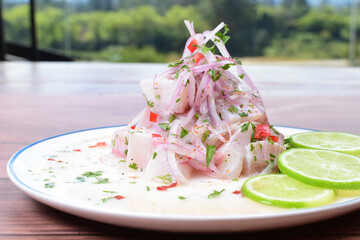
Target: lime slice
pixel 282 191
pixel 347 193
pixel 335 141
pixel 321 168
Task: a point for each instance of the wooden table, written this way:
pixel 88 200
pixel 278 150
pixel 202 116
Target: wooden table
pixel 38 100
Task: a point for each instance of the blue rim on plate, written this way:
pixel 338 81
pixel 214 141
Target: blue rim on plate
pixel 350 205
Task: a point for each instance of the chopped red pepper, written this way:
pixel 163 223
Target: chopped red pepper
pixel 164 188
pixel 132 127
pixel 262 131
pixel 198 56
pixel 153 117
pixel 236 192
pixel 156 135
pixel 191 46
pixel 77 150
pixel 59 161
pixel 118 197
pixel 274 138
pixel 51 159
pixel 99 144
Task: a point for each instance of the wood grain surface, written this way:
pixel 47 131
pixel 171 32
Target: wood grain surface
pixel 38 100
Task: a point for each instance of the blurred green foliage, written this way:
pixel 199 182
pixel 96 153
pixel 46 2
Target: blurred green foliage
pixel 139 32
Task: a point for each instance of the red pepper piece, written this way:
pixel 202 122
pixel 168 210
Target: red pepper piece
pixel 198 56
pixel 51 159
pixel 262 131
pixel 164 188
pixel 99 144
pixel 236 192
pixel 156 135
pixel 191 46
pixel 77 150
pixel 119 197
pixel 132 127
pixel 274 138
pixel 153 117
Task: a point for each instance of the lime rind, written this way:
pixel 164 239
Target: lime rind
pixel 333 141
pixel 282 191
pixel 308 168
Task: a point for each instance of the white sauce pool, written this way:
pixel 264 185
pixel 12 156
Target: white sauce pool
pixel 61 174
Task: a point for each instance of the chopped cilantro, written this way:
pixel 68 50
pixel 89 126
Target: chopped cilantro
pixel 164 126
pixel 126 152
pixel 196 116
pixel 108 191
pixel 238 61
pixel 272 155
pixel 182 198
pixel 166 179
pixel 126 141
pixel 232 109
pixel 80 179
pixel 227 66
pixel 49 185
pixel 154 155
pixel 157 97
pixel 235 179
pixel 176 64
pixel 184 132
pixel 206 120
pixel 210 150
pixel 223 36
pixel 133 166
pixel 102 180
pixel 205 135
pixel 147 188
pixel 245 127
pixel 270 140
pixel 172 118
pixel 113 142
pixel 215 75
pixel 220 116
pixel 242 76
pixel 255 158
pixel 251 147
pixel 242 114
pixel 106 199
pixel 215 194
pixel 177 100
pixel 272 128
pixel 92 174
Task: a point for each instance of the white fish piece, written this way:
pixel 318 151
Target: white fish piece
pixel 140 148
pixel 229 156
pixel 246 112
pixel 158 166
pixel 258 155
pixel 163 90
pixel 168 163
pixel 119 142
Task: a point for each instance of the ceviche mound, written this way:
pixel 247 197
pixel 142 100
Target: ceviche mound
pixel 203 115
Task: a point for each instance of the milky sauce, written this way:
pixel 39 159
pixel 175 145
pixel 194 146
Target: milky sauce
pixel 94 177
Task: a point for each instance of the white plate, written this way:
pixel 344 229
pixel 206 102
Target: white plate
pixel 21 161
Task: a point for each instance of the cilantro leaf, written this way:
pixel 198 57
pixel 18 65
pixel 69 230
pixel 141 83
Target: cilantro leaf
pixel 92 174
pixel 215 194
pixel 133 166
pixel 164 126
pixel 184 132
pixel 210 151
pixel 166 179
pixel 205 135
pixel 232 109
